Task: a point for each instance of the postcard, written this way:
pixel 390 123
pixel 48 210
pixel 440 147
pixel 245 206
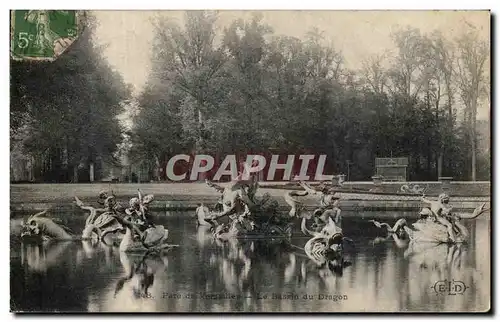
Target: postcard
pixel 250 161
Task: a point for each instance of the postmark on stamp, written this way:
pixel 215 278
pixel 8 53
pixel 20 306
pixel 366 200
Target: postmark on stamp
pixel 43 34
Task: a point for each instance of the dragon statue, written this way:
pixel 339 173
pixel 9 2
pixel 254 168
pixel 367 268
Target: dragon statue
pixel 427 229
pixel 248 214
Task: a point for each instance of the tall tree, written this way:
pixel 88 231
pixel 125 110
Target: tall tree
pixel 257 91
pixel 443 53
pixel 375 74
pixel 471 73
pixel 411 68
pixel 70 108
pixel 190 60
pixel 246 47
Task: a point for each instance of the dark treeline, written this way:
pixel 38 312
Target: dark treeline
pixel 245 90
pixel 248 90
pixel 63 114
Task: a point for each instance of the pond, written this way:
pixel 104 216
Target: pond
pixel 250 276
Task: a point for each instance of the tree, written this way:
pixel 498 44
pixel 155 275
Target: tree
pixel 443 54
pixel 374 73
pixel 70 108
pixel 190 61
pixel 471 73
pixel 412 67
pixel 253 91
pixel 247 100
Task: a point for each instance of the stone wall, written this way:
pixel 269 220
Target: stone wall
pixel 187 196
pixel 457 188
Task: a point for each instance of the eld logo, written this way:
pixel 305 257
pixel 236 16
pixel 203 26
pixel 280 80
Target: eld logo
pixel 447 287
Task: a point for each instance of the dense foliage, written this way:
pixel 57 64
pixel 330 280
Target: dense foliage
pixel 250 90
pixel 247 90
pixel 63 113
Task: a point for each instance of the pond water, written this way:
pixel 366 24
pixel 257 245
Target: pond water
pixel 250 276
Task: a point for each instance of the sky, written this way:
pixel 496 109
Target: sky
pixel 357 34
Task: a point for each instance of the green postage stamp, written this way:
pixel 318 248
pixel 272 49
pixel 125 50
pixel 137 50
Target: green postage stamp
pixel 42 34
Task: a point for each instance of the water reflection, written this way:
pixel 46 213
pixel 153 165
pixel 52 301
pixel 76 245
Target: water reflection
pixel 58 275
pixel 204 236
pixel 140 273
pixel 257 268
pixel 139 287
pixel 90 249
pixel 40 257
pixel 240 262
pixel 430 265
pixel 439 257
pixel 204 274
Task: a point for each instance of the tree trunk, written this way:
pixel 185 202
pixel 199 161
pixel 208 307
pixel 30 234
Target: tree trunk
pixel 199 143
pixel 91 171
pixel 473 140
pixel 429 160
pixel 157 173
pixel 417 167
pixel 32 169
pixel 75 174
pixel 440 162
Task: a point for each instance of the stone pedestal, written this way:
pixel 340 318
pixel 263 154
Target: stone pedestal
pixel 337 180
pixel 446 184
pixel 377 183
pixel 377 180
